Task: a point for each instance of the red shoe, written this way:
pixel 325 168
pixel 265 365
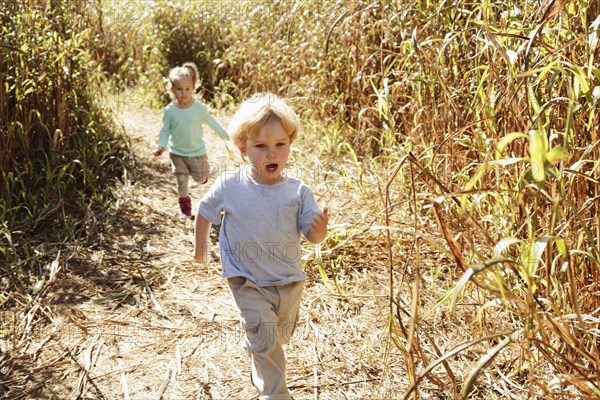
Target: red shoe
pixel 185 204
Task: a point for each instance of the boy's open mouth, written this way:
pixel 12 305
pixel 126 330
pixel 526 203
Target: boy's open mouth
pixel 271 168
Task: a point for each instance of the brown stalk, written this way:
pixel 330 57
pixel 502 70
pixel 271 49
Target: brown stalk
pixel 432 342
pixel 388 233
pixel 445 190
pixel 149 291
pixel 442 359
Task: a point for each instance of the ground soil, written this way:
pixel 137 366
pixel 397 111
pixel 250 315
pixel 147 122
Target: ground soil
pixel 132 317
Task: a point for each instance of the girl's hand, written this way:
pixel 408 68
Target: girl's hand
pixel 318 227
pixel 159 152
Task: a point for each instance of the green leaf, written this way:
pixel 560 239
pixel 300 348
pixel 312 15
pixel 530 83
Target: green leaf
pixel 532 254
pixel 538 148
pixel 556 155
pixel 533 100
pixel 321 268
pixel 562 246
pixel 486 360
pixel 507 161
pixel 466 277
pixel 506 140
pixel 503 245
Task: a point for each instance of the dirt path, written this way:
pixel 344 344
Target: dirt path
pixel 141 321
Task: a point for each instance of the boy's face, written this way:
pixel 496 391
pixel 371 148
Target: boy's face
pixel 268 152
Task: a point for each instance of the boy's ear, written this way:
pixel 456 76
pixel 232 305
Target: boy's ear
pixel 243 150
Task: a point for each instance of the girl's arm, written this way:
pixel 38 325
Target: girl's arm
pixel 215 125
pixel 318 228
pixel 163 135
pixel 201 239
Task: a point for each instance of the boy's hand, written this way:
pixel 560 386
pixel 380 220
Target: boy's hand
pixel 201 240
pixel 318 227
pixel 159 152
pixel 202 257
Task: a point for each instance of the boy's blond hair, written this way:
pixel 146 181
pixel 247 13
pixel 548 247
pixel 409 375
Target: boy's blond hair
pixel 256 111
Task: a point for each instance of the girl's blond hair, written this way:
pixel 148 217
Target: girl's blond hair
pixel 188 70
pixel 256 111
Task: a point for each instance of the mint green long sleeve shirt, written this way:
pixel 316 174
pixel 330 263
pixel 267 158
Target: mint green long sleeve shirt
pixel 182 129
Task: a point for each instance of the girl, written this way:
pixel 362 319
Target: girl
pixel 182 132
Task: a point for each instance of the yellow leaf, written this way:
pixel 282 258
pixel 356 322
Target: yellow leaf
pixel 537 153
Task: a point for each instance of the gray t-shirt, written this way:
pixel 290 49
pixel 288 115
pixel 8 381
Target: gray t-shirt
pixel 261 226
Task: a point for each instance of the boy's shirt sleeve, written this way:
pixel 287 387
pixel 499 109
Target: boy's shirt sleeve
pixel 308 209
pixel 213 123
pixel 211 205
pixel 165 131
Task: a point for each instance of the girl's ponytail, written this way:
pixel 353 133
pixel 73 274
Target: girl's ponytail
pixel 193 71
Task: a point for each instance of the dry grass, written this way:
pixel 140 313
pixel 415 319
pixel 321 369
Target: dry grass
pixel 462 256
pixel 132 317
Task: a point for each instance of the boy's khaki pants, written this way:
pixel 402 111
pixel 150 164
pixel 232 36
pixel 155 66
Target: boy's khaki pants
pixel 269 316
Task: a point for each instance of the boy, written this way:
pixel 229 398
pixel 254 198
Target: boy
pixel 264 214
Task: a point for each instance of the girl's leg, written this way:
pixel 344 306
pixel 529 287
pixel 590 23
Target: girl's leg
pixel 185 203
pixel 182 185
pixel 259 308
pixel 199 168
pixel 182 175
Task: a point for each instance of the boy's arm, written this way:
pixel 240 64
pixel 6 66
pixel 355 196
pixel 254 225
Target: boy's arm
pixel 201 239
pixel 318 228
